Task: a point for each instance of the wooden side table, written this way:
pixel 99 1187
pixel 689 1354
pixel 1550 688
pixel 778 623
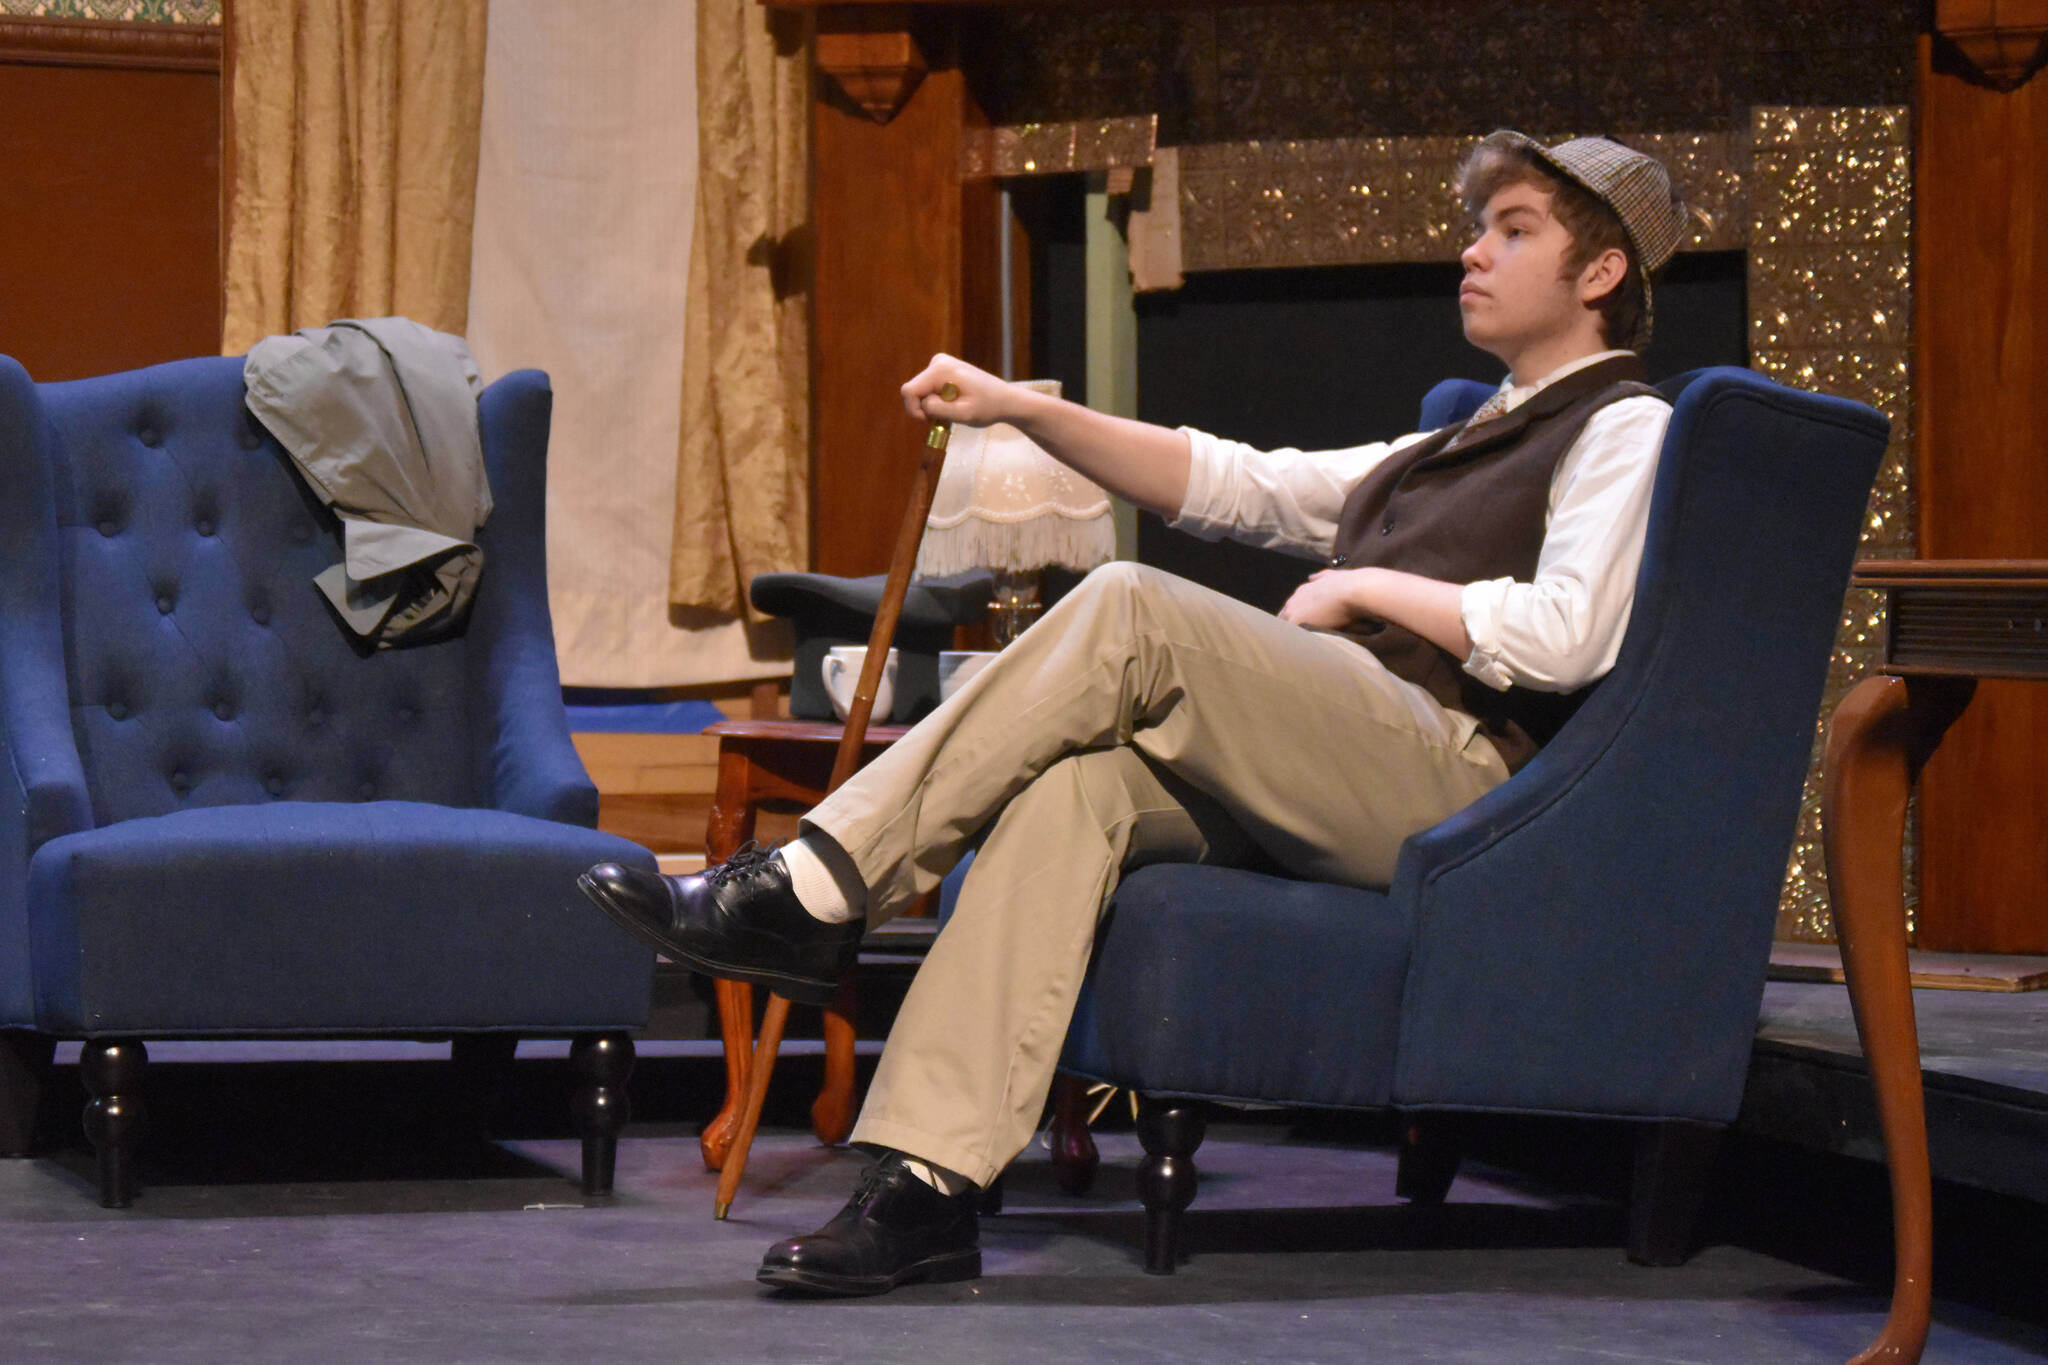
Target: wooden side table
pixel 786 761
pixel 1947 624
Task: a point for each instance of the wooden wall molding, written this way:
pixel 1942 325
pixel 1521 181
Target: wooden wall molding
pixel 2006 40
pixel 878 66
pixel 108 43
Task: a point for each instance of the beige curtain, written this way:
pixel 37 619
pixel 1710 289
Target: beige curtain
pixel 585 185
pixel 354 172
pixel 743 478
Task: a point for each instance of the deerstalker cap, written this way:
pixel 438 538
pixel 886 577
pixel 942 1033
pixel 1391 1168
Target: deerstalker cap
pixel 1634 184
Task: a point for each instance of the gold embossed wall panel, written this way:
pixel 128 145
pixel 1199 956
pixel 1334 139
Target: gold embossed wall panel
pixel 1380 201
pixel 1830 308
pixel 122 11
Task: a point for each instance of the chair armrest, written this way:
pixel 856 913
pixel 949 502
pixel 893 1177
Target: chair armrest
pixel 35 715
pixel 531 765
pixel 49 780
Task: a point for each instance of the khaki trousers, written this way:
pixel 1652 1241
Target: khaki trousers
pixel 1143 719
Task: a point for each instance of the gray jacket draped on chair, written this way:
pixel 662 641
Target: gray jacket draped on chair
pixel 380 416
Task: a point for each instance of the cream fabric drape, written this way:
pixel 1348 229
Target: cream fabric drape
pixel 742 486
pixel 584 204
pixel 355 151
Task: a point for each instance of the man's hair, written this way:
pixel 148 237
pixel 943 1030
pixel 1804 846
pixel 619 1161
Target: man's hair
pixel 1592 225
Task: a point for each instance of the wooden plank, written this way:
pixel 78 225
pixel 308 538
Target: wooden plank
pixel 634 764
pixel 1939 971
pixel 41 41
pixel 1885 573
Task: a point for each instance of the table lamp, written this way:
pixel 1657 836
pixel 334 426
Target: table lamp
pixel 1005 505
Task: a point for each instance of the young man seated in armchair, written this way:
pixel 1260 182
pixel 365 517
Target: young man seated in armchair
pixel 1475 581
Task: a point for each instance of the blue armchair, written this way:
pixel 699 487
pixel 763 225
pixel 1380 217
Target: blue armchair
pixel 1590 938
pixel 224 817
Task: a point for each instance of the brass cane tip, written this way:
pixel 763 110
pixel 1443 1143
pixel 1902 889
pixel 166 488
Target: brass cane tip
pixel 720 1208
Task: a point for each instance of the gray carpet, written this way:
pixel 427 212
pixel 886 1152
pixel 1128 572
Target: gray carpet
pixel 1299 1254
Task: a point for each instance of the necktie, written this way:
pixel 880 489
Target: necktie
pixel 1490 409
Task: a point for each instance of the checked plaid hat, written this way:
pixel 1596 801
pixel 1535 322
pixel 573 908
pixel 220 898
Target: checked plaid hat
pixel 1632 183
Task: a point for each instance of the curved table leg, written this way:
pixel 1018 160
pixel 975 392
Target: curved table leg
pixel 1878 739
pixel 731 824
pixel 832 1112
pixel 736 1037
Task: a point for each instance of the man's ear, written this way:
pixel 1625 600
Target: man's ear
pixel 1602 275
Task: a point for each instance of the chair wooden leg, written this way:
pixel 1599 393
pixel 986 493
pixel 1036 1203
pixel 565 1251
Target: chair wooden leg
pixel 24 1067
pixel 832 1112
pixel 1074 1157
pixel 601 1062
pixel 1878 738
pixel 112 1069
pixel 1674 1165
pixel 482 1063
pixel 1432 1146
pixel 1170 1130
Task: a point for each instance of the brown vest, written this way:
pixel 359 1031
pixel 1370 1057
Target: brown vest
pixel 1466 504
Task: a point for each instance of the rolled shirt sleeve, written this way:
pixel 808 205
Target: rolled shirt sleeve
pixel 1284 499
pixel 1563 629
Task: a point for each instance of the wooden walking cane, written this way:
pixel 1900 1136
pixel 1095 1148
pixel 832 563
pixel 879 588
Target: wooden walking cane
pixel 769 1043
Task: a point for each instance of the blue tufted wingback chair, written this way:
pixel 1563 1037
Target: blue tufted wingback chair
pixel 223 817
pixel 1589 938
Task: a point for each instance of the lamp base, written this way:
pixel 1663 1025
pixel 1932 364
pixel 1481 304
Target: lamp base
pixel 1015 604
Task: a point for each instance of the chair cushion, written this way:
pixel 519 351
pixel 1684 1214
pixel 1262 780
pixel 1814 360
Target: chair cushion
pixel 1198 981
pixel 302 916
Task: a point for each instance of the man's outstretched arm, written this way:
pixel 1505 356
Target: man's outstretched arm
pixel 1139 462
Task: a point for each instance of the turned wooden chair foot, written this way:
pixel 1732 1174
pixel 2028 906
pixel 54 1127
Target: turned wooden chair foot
pixel 602 1063
pixel 1170 1130
pixel 113 1069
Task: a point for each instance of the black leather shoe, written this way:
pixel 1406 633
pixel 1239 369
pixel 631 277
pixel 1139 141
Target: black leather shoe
pixel 738 920
pixel 895 1230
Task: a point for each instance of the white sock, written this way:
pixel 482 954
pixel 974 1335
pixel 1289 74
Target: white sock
pixel 824 879
pixel 938 1177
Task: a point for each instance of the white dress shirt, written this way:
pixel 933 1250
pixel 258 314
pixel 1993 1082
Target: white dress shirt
pixel 1557 632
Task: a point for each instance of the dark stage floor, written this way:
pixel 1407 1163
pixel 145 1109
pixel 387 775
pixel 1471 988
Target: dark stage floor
pixel 326 1212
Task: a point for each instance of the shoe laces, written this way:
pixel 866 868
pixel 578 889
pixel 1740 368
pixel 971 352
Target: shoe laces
pixel 871 1181
pixel 748 859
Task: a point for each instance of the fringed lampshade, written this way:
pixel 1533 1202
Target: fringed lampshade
pixel 1004 504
